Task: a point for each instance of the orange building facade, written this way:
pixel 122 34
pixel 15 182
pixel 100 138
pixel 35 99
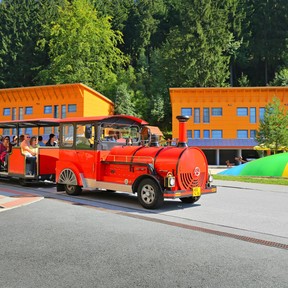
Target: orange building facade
pixel 53 101
pixel 223 121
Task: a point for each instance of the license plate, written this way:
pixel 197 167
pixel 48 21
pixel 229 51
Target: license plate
pixel 196 191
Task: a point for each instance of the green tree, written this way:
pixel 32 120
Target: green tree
pixel 82 48
pixel 20 29
pixel 268 42
pixel 123 100
pixel 195 51
pixel 273 129
pixel 118 10
pixel 238 27
pixel 281 78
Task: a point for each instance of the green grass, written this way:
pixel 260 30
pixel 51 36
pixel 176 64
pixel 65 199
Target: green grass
pixel 253 179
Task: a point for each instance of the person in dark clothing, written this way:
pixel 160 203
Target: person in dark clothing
pixel 52 140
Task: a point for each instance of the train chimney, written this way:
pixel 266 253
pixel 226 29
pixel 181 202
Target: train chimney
pixel 182 141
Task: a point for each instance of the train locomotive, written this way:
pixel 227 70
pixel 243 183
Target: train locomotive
pixel 90 159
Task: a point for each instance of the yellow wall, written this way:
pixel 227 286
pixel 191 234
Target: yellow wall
pixel 227 98
pixel 88 101
pixel 104 106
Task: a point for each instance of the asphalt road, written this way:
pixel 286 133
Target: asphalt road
pixel 235 238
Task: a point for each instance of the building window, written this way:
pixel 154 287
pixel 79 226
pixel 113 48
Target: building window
pixel 206 115
pixel 48 109
pixel 261 113
pixel 217 134
pixel 196 115
pixel 6 112
pixel 242 134
pixel 189 133
pixel 72 108
pixel 63 111
pixel 6 131
pixel 242 111
pixel 252 115
pixel 253 134
pixel 14 114
pixel 186 111
pixel 216 111
pixel 20 113
pixel 56 111
pixel 28 110
pixel 206 134
pixel 196 134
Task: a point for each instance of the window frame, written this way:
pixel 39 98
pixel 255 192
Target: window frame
pixel 6 112
pixel 28 110
pixel 239 131
pixel 206 132
pixel 206 115
pixel 49 107
pixel 217 111
pixel 215 131
pixel 242 111
pixel 72 108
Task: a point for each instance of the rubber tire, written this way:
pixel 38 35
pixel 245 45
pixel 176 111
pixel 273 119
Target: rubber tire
pixel 73 190
pixel 190 200
pixel 155 199
pixel 23 182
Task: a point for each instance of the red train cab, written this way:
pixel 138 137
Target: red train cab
pixel 113 153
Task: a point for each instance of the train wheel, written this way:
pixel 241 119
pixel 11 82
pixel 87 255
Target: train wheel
pixel 22 182
pixel 73 189
pixel 68 178
pixel 190 200
pixel 149 194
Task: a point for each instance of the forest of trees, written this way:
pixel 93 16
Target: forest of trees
pixel 132 51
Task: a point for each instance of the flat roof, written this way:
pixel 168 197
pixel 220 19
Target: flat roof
pixel 222 143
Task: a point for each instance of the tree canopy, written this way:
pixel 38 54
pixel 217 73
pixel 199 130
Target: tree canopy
pixel 273 129
pixel 135 50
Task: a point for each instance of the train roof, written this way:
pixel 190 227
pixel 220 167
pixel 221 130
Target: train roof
pixel 28 123
pixel 110 118
pixel 50 122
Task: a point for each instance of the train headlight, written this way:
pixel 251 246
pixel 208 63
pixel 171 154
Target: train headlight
pixel 169 180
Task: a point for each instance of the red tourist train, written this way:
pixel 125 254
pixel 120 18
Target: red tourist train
pixel 116 153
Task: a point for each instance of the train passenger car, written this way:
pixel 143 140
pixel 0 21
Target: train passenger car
pixel 113 153
pixel 17 162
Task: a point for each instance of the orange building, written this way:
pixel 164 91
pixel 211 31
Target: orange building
pixel 223 121
pixel 53 101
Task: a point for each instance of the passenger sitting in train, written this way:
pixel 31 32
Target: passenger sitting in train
pixel 33 144
pixel 40 141
pixel 5 149
pixel 14 140
pixel 30 155
pixel 3 153
pixel 52 140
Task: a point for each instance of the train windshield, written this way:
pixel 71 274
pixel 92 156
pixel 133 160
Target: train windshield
pixel 120 133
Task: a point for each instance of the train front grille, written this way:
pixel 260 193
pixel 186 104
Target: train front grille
pixel 188 182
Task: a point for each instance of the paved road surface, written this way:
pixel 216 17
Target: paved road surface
pixel 101 240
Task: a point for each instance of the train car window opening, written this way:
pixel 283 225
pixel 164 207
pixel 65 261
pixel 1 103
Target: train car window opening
pixel 119 133
pixel 67 136
pixel 84 136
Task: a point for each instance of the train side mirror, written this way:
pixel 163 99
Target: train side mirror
pixel 88 131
